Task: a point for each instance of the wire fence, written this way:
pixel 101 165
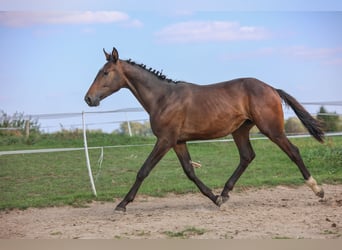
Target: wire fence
pixel 109 121
pixel 84 120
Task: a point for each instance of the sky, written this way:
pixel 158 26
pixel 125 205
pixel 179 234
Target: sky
pixel 52 50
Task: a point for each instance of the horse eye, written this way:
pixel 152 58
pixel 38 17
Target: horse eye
pixel 105 73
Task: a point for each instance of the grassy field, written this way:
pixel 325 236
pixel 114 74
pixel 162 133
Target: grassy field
pixel 52 179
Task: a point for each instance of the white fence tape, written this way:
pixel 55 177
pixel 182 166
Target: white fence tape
pixel 51 150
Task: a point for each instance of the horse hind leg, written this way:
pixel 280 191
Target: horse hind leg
pixel 241 138
pixel 279 138
pixel 293 152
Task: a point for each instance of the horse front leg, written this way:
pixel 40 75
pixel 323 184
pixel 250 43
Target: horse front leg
pixel 160 149
pixel 185 160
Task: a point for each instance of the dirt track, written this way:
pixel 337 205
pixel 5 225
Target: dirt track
pixel 280 212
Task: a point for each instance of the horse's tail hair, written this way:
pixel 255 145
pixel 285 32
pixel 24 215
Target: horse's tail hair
pixel 313 126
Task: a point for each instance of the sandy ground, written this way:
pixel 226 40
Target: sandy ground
pixel 280 212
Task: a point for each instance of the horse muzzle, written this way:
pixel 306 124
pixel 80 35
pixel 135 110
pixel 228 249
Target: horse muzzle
pixel 92 101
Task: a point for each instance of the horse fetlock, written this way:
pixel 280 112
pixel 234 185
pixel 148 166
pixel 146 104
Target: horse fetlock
pixel 120 209
pixel 311 182
pixel 221 199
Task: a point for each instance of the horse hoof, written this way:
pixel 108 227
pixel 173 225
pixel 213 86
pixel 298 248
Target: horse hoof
pixel 320 193
pixel 221 199
pixel 120 209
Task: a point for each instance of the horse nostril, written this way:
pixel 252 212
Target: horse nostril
pixel 87 100
pixel 92 101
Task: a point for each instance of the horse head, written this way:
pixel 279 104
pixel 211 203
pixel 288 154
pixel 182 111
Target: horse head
pixel 107 81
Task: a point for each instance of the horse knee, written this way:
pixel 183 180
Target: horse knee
pixel 142 174
pixel 247 158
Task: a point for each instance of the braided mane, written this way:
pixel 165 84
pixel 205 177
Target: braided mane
pixel 158 74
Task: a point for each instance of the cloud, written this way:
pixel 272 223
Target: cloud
pixel 29 18
pixel 210 31
pixel 326 56
pixel 309 53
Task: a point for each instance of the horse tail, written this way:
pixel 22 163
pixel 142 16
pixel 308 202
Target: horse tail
pixel 313 126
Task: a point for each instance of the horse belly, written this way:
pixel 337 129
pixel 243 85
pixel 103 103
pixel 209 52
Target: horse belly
pixel 204 127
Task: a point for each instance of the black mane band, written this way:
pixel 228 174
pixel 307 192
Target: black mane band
pixel 157 73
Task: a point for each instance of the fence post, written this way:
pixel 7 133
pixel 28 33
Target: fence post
pixel 27 129
pixel 129 126
pixel 87 156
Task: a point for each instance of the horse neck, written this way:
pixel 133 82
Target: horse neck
pixel 144 85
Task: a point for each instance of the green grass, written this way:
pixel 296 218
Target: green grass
pixel 53 179
pixel 186 233
pixel 67 138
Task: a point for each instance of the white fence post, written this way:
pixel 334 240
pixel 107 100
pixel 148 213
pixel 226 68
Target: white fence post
pixel 129 125
pixel 87 156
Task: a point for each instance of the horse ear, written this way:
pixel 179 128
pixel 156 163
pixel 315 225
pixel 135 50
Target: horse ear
pixel 107 55
pixel 115 55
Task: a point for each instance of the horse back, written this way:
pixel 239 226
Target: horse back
pixel 211 111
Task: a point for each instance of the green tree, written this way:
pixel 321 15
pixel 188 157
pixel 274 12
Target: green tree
pixel 13 129
pixel 137 128
pixel 17 120
pixel 330 121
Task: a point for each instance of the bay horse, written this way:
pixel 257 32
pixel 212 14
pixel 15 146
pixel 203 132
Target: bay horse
pixel 182 111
